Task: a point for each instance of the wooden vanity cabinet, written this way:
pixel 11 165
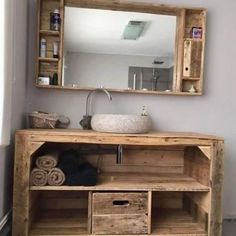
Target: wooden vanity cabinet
pixel 164 184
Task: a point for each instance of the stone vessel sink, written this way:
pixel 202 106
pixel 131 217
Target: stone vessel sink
pixel 123 124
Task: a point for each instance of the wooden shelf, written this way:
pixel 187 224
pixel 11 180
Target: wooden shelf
pixel 60 222
pixel 191 78
pixel 195 40
pixel 49 32
pixel 47 59
pixel 135 182
pixel 121 90
pixel 175 222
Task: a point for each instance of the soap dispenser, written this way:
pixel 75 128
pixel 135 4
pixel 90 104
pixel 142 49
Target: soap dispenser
pixel 144 111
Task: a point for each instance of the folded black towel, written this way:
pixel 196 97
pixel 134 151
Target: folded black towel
pixel 86 175
pixel 69 161
pixel 76 170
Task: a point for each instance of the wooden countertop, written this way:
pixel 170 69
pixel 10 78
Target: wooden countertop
pixel 89 136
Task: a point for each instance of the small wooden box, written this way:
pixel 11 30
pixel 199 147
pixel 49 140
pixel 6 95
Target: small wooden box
pixel 120 213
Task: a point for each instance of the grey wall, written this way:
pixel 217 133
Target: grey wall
pixel 110 71
pixel 18 103
pixel 213 113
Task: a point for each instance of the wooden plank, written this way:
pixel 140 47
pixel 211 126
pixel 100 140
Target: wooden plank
pixel 77 88
pixel 149 212
pixel 90 212
pixel 196 210
pixel 21 204
pixel 122 5
pixel 217 175
pixel 61 44
pixel 59 234
pixel 153 157
pixel 120 224
pixel 34 146
pixel 91 137
pixel 49 32
pixel 197 166
pixel 201 199
pixel 177 85
pixel 141 161
pixel 64 200
pixel 175 222
pixel 206 151
pixel 192 58
pixel 63 203
pixel 33 206
pixel 167 200
pixel 120 203
pixel 203 19
pixel 37 41
pixel 114 181
pixel 56 222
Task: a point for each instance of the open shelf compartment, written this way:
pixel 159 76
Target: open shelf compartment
pixel 59 213
pixel 154 168
pixel 178 213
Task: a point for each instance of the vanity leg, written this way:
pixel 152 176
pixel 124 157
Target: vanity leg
pixel 149 212
pixel 217 170
pixel 24 149
pixel 20 223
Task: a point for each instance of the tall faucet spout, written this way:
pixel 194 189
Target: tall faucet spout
pixel 89 98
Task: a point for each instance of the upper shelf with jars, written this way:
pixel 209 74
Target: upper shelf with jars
pixel 49 42
pixel 121 46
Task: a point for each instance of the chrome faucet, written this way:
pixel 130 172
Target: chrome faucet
pixel 86 121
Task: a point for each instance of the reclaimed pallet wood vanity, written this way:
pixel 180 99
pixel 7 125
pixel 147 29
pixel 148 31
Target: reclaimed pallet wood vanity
pixel 166 184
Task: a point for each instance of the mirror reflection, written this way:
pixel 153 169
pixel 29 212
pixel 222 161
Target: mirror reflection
pixel 118 50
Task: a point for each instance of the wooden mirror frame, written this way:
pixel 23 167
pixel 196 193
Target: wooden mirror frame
pixel 189 52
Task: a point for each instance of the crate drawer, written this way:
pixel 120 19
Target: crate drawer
pixel 120 203
pixel 120 224
pixel 120 213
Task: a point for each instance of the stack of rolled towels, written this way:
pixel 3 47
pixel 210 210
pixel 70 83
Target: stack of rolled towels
pixel 67 168
pixel 46 171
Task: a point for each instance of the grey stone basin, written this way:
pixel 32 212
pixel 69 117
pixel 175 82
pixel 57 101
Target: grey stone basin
pixel 123 124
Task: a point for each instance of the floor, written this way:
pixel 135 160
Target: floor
pixel 229 229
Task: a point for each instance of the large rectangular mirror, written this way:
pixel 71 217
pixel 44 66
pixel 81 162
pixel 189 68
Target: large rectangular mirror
pixel 122 46
pixel 119 49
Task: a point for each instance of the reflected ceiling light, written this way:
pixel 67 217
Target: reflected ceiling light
pixel 157 62
pixel 133 30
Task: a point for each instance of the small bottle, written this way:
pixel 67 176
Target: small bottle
pixel 55 49
pixel 144 111
pixel 134 81
pixel 192 89
pixel 55 79
pixel 55 20
pixel 43 47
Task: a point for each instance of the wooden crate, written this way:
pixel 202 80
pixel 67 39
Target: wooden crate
pixel 120 213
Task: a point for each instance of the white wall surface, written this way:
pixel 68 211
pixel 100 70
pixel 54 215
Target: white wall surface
pixel 18 105
pixel 213 113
